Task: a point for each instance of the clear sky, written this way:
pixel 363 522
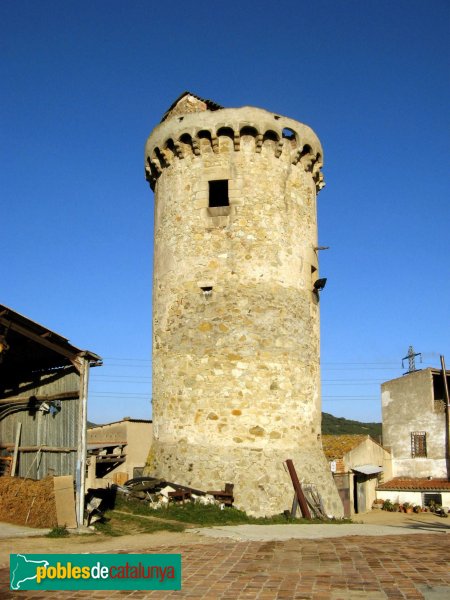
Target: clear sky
pixel 83 84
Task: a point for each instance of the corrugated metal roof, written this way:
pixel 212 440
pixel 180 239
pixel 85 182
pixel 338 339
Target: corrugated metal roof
pixel 368 469
pixel 40 366
pixel 40 340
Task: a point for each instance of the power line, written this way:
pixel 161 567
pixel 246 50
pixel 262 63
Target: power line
pixel 148 397
pixel 376 362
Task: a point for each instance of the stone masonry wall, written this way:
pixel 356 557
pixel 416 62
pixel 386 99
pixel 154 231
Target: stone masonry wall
pixel 236 381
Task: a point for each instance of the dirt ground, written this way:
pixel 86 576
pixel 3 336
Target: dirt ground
pixel 78 544
pixel 382 517
pixel 131 543
pixel 27 502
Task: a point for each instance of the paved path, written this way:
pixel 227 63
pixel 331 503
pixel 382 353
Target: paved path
pixel 311 532
pixel 9 530
pixel 343 568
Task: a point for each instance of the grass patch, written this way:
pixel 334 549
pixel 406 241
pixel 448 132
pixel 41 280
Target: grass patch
pixel 58 532
pixel 106 527
pixel 207 516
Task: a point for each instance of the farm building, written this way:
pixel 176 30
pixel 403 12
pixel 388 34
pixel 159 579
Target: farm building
pixel 358 463
pixel 43 401
pixel 117 451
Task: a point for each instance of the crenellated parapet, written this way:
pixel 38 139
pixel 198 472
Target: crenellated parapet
pixel 202 134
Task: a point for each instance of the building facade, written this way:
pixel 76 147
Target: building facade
pixel 117 451
pixel 236 380
pixel 358 464
pixel 43 402
pixel 415 428
pixel 416 491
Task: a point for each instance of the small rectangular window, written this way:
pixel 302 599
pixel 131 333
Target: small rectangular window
pixel 218 193
pixel 432 499
pixel 418 444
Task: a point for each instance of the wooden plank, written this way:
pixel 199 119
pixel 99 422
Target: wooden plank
pixel 120 477
pixel 16 449
pixel 65 501
pixel 25 399
pixel 117 459
pixel 59 348
pixel 41 448
pixel 298 489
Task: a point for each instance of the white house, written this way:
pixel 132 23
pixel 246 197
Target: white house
pixel 414 424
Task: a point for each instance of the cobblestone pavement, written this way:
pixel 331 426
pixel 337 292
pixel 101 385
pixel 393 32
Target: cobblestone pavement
pixel 323 569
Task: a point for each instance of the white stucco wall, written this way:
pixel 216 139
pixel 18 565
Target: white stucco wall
pixel 370 453
pixel 367 452
pixel 408 406
pixel 412 497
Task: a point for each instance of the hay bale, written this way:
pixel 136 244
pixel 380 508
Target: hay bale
pixel 27 501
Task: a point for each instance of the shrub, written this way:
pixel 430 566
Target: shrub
pixel 58 532
pixel 387 505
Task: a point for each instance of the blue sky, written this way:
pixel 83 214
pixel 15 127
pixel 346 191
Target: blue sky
pixel 83 85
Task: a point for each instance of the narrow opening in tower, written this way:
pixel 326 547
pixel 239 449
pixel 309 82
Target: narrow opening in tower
pixel 207 290
pixel 218 193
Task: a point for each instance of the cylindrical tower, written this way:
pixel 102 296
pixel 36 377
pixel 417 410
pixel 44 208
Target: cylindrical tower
pixel 236 377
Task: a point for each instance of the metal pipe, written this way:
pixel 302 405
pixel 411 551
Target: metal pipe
pixel 82 446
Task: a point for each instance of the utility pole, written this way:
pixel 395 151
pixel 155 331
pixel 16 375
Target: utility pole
pixel 411 356
pixel 447 414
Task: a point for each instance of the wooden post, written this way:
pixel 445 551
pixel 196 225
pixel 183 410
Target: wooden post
pixel 447 415
pixel 82 446
pixel 16 449
pixel 298 489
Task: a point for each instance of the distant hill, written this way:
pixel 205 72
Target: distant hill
pixel 332 425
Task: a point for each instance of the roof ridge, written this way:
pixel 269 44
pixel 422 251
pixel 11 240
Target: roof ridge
pixel 209 103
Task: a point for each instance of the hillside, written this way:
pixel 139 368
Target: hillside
pixel 332 425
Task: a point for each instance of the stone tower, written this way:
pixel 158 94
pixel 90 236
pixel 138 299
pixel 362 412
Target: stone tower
pixel 236 379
